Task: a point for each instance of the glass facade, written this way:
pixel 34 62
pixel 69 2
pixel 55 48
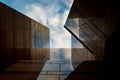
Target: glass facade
pixel 24 45
pixel 91 26
pixel 25 52
pixel 79 53
pixel 75 43
pixel 58 67
pixel 88 35
pixel 40 35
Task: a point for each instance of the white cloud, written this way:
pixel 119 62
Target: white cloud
pixel 36 12
pixel 51 17
pixel 63 39
pixel 68 2
pixel 54 21
pixel 64 16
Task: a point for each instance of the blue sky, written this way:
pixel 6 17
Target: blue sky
pixel 51 13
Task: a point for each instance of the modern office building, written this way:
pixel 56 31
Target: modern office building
pixel 25 44
pixel 75 43
pixel 79 53
pixel 95 24
pixel 22 41
pixel 92 22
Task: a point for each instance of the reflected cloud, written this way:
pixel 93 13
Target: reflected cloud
pixel 58 67
pixel 60 54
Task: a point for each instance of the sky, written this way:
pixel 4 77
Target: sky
pixel 51 13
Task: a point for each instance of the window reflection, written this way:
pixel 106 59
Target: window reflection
pixel 85 32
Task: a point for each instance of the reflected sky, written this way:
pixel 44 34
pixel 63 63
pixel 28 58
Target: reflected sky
pixel 52 14
pixel 58 67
